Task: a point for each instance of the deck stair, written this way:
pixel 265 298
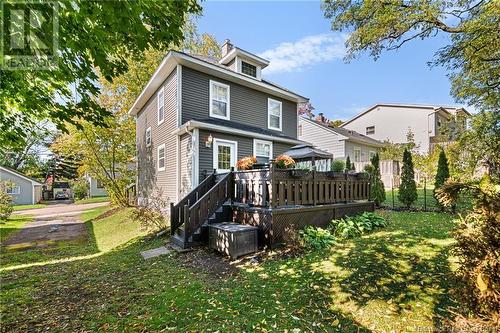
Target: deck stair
pixel 208 203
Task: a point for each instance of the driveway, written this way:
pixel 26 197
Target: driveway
pixel 54 223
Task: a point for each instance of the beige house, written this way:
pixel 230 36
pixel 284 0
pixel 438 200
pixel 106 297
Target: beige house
pixel 430 124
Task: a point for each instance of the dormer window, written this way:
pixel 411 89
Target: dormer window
pixel 248 69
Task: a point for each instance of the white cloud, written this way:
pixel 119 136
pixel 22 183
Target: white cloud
pixel 310 50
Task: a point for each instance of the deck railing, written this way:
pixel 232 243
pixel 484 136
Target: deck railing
pixel 284 187
pixel 177 211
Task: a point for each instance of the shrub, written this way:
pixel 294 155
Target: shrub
pixel 354 226
pixel 317 238
pixel 337 166
pixel 348 164
pixel 377 193
pixel 151 213
pixel 478 236
pixel 80 188
pixel 284 162
pixel 408 189
pixel 442 174
pixel 5 202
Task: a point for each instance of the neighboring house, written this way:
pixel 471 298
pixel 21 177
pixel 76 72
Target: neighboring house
pixel 96 188
pixel 23 190
pixel 197 114
pixel 338 141
pixel 430 124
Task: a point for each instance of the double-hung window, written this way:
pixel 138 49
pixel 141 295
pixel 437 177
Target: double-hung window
pixel 219 100
pixel 13 189
pixel 357 154
pixel 161 106
pixel 148 137
pixel 274 114
pixel 263 150
pixel 161 157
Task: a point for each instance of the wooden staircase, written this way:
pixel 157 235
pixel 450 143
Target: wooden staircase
pixel 209 202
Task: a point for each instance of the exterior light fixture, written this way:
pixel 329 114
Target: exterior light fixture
pixel 209 141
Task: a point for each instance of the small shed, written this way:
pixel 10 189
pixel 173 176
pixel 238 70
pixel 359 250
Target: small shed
pixel 309 156
pixel 24 190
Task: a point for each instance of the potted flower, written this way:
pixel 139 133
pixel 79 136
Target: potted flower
pixel 337 169
pixel 284 162
pixel 246 163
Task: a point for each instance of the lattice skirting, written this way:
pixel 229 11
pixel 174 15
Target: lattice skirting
pixel 273 224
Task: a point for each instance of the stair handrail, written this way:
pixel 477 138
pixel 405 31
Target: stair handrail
pixel 176 211
pixel 202 209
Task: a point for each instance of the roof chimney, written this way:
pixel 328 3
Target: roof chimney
pixel 226 47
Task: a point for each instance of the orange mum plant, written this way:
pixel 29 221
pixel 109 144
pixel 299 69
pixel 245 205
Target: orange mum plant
pixel 284 162
pixel 246 163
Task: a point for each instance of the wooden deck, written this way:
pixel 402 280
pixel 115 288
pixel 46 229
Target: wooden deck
pixel 272 199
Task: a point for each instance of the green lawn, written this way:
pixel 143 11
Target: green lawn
pixel 13 224
pixel 396 279
pixel 25 207
pixel 91 200
pixel 463 203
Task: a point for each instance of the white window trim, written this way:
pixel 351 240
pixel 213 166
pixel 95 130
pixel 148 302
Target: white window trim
pixel 227 117
pixel 148 130
pixel 366 130
pixel 269 114
pixel 158 157
pixel 360 154
pixel 162 92
pixel 17 189
pixel 215 152
pixel 270 143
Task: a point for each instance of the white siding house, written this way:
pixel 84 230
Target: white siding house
pixel 393 121
pixel 338 141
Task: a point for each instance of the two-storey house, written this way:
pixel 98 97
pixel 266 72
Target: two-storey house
pixel 430 125
pixel 197 114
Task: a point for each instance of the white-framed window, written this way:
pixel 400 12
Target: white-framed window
pixel 370 130
pixel 148 136
pixel 248 69
pixel 263 150
pixel 161 106
pixel 161 157
pixel 274 114
pixel 357 154
pixel 219 100
pixel 13 189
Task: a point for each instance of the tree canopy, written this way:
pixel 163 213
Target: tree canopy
pixel 93 37
pixel 472 55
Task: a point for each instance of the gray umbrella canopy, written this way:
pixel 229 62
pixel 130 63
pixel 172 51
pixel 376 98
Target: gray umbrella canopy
pixel 307 152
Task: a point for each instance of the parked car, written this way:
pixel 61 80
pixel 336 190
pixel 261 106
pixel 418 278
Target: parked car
pixel 62 190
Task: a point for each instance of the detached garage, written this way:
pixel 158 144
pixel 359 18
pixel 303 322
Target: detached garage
pixel 23 189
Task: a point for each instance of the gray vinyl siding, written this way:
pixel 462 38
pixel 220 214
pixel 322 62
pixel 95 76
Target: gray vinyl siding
pixel 149 179
pixel 186 165
pixel 322 138
pixel 247 106
pixel 245 148
pixel 232 64
pixel 25 196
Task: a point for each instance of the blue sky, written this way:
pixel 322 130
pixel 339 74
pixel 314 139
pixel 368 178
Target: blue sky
pixel 308 57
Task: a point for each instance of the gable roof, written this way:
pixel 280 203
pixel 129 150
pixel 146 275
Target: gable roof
pixel 346 134
pixel 17 173
pixel 210 66
pixel 448 109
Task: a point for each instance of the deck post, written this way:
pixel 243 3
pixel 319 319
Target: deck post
pixel 315 186
pixel 272 199
pixel 172 219
pixel 186 221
